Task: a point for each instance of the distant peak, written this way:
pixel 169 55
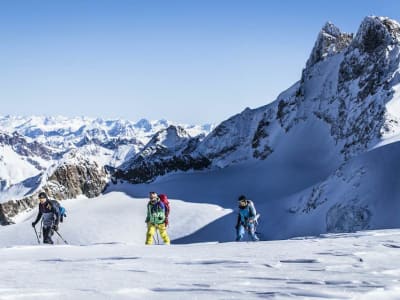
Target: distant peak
pixel 331 29
pixel 330 41
pixel 376 32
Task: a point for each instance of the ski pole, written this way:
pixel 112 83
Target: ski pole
pixel 158 238
pixel 156 241
pixel 40 231
pixel 34 228
pixel 61 237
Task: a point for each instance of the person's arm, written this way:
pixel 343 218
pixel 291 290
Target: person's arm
pixel 253 211
pixel 148 214
pixel 238 221
pixel 37 218
pixel 164 209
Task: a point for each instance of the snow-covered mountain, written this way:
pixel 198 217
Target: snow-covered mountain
pixel 313 156
pixel 168 150
pixel 21 159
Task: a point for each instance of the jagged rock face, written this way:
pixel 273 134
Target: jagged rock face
pixel 68 181
pixel 349 90
pixel 330 41
pixel 145 171
pixel 12 208
pixel 365 84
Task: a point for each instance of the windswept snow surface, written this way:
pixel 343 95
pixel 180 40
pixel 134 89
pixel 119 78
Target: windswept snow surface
pixel 106 258
pixel 362 265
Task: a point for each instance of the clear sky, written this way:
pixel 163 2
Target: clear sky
pixel 189 61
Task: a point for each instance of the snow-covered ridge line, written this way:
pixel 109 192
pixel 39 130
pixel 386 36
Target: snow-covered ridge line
pixel 52 130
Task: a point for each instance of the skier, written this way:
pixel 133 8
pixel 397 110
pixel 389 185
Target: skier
pixel 246 219
pixel 50 216
pixel 155 219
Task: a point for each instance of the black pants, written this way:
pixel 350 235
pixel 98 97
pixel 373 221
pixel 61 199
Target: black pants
pixel 47 234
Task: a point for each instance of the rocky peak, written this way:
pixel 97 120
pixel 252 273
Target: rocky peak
pixel 171 137
pixel 376 33
pixel 330 41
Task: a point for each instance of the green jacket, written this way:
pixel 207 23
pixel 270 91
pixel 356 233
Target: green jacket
pixel 156 213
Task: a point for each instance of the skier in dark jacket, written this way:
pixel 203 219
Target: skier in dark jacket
pixel 246 219
pixel 50 216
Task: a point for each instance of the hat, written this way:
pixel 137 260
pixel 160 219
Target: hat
pixel 42 195
pixel 242 197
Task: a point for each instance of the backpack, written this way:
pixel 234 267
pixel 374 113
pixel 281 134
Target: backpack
pixel 164 200
pixel 61 211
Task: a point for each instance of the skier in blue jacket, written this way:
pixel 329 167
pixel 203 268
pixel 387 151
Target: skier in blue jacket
pixel 246 219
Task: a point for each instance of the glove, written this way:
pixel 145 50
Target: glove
pixel 55 227
pixel 33 224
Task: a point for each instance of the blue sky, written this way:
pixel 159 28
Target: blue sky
pixel 186 61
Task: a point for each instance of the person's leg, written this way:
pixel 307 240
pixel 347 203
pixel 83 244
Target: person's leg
pixel 252 232
pixel 240 233
pixel 163 233
pixel 151 229
pixel 47 235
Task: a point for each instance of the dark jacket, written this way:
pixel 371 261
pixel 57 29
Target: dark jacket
pixel 49 213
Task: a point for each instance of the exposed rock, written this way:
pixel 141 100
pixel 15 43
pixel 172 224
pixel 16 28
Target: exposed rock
pixel 347 218
pixel 330 41
pixel 68 181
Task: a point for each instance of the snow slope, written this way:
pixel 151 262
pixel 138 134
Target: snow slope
pixel 114 217
pixel 362 265
pixel 107 259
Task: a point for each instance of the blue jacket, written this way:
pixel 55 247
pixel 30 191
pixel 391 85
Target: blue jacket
pixel 246 214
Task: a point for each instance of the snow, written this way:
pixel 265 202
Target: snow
pixel 120 217
pixel 14 168
pixel 106 259
pixel 362 265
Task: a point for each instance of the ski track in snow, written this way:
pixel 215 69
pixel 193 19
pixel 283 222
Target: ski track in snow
pixel 363 265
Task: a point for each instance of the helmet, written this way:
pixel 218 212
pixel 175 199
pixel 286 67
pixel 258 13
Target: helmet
pixel 42 195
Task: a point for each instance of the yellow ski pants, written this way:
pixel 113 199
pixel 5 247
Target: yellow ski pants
pixel 151 230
